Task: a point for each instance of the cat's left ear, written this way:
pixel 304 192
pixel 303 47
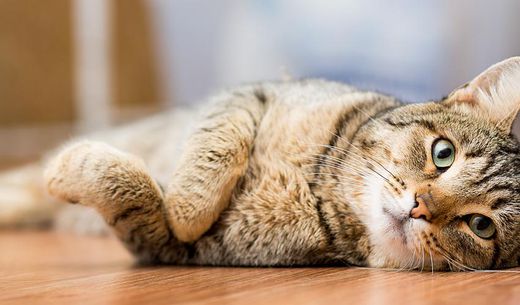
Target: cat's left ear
pixel 494 94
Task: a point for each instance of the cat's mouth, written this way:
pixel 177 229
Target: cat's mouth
pixel 396 225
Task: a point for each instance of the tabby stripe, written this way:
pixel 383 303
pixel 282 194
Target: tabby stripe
pixel 130 235
pixel 191 250
pixel 512 150
pixel 128 213
pixel 486 178
pixel 384 111
pixel 338 217
pixel 478 152
pixel 168 241
pixel 249 113
pixel 499 203
pixel 216 114
pixel 260 95
pixel 491 171
pixel 422 122
pixel 485 169
pixel 340 125
pixel 508 186
pixel 496 256
pixel 516 250
pixel 323 222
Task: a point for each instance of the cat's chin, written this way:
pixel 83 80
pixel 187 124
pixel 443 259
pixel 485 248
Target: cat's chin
pixel 389 239
pixel 395 245
pixel 392 234
pixel 396 227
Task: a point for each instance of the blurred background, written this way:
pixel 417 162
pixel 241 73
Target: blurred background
pixel 76 66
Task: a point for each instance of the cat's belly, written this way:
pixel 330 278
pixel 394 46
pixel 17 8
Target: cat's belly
pixel 272 220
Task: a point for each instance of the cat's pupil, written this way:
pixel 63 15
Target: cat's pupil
pixel 445 153
pixel 483 223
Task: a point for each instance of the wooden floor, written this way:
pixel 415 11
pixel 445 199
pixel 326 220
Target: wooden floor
pixel 52 268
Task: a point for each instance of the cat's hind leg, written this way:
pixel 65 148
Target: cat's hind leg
pixel 118 186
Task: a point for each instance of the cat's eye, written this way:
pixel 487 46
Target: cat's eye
pixel 481 225
pixel 443 154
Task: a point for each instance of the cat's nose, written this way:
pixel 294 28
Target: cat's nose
pixel 420 210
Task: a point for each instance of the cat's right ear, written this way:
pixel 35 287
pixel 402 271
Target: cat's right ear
pixel 493 95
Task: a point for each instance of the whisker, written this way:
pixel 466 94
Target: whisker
pixel 353 153
pixel 344 165
pixel 431 257
pixel 410 263
pixel 412 259
pixel 422 251
pixel 370 117
pixel 343 172
pixel 391 199
pixel 448 262
pixel 338 162
pixel 357 148
pixel 335 175
pixel 458 264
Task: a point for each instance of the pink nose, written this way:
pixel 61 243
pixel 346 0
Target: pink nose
pixel 421 209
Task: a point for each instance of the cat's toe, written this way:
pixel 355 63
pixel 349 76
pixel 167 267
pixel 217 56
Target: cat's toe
pixel 74 170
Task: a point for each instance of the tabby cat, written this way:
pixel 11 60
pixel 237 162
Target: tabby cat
pixel 313 173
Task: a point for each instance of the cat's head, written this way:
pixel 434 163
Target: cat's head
pixel 444 188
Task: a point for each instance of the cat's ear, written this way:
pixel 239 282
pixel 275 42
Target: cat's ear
pixel 494 94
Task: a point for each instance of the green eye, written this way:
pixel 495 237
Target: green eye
pixel 443 153
pixel 482 226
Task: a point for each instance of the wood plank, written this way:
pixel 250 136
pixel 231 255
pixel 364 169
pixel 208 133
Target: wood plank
pixel 56 268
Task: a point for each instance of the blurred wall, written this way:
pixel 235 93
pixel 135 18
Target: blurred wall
pixel 417 50
pixel 41 57
pixel 135 68
pixel 36 74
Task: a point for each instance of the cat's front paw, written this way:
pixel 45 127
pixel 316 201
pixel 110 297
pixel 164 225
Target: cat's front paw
pixel 95 174
pixel 74 174
pixel 63 173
